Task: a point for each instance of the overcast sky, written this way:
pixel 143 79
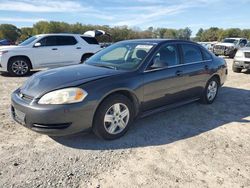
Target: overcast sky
pixel 134 13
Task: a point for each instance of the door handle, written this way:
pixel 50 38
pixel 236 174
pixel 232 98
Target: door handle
pixel 54 49
pixel 178 73
pixel 78 48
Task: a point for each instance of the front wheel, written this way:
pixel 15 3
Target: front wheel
pixel 113 117
pixel 237 70
pixel 211 91
pixel 19 66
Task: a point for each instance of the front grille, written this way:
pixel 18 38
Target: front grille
pixel 219 47
pixel 51 126
pixel 247 54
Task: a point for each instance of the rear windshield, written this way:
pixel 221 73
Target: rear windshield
pixel 90 40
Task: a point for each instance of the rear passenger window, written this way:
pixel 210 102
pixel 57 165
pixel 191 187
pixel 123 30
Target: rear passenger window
pixel 90 40
pixel 206 55
pixel 191 53
pixel 167 56
pixel 66 40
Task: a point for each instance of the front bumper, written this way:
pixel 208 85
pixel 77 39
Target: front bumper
pixel 241 64
pixel 54 120
pixel 225 51
pixel 3 64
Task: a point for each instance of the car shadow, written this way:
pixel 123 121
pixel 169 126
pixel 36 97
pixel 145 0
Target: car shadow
pixel 232 105
pixel 6 74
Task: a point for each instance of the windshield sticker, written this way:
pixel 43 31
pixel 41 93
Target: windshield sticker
pixel 146 47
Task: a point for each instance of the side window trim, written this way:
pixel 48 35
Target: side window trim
pixel 57 36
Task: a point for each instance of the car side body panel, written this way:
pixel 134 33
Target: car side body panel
pixel 150 91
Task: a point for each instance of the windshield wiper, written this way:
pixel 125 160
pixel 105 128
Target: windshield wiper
pixel 106 66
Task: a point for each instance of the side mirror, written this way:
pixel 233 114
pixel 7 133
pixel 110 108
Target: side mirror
pixel 38 44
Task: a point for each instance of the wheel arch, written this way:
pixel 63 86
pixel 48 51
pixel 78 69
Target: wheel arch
pixel 18 56
pixel 88 53
pixel 217 77
pixel 127 93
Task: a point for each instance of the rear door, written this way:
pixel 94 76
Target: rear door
pixel 69 49
pixel 194 70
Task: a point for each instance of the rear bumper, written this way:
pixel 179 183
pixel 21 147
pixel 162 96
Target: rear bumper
pixel 54 120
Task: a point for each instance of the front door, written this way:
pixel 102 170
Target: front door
pixel 163 78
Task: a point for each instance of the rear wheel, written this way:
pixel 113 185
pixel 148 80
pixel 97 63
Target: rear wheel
pixel 19 66
pixel 113 117
pixel 210 92
pixel 85 57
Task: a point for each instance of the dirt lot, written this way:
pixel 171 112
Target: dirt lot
pixel 192 146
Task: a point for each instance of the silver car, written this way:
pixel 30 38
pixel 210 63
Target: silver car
pixel 242 59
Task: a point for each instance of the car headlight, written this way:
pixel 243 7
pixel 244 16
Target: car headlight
pixel 239 53
pixel 64 96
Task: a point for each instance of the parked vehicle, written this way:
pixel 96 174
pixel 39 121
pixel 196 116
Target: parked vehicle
pixel 128 79
pixel 242 59
pixel 47 51
pixel 6 42
pixel 208 45
pixel 229 46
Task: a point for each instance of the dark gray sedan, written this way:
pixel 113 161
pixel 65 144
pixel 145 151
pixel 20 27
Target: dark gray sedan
pixel 128 79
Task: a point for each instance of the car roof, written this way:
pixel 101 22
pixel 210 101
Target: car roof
pixel 158 41
pixel 62 34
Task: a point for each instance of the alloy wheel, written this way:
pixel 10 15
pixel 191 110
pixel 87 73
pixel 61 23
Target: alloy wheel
pixel 212 90
pixel 116 118
pixel 20 67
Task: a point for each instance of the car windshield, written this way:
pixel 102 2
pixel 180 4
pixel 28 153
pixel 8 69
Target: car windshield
pixel 248 44
pixel 124 55
pixel 230 41
pixel 28 41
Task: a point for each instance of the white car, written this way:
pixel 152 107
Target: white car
pixel 47 51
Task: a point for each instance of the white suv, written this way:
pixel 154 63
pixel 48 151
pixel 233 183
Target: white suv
pixel 47 51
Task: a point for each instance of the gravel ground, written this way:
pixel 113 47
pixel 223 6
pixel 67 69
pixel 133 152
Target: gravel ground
pixel 193 146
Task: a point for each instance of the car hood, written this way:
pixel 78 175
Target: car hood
pixel 224 44
pixel 10 47
pixel 46 81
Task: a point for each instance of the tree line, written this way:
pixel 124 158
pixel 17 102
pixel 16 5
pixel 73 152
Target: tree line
pixel 118 33
pixel 217 34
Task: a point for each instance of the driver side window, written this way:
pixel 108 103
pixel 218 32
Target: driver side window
pixel 167 56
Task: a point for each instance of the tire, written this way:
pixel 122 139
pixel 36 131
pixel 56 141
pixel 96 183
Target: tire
pixel 232 55
pixel 85 57
pixel 237 70
pixel 207 98
pixel 19 66
pixel 114 126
